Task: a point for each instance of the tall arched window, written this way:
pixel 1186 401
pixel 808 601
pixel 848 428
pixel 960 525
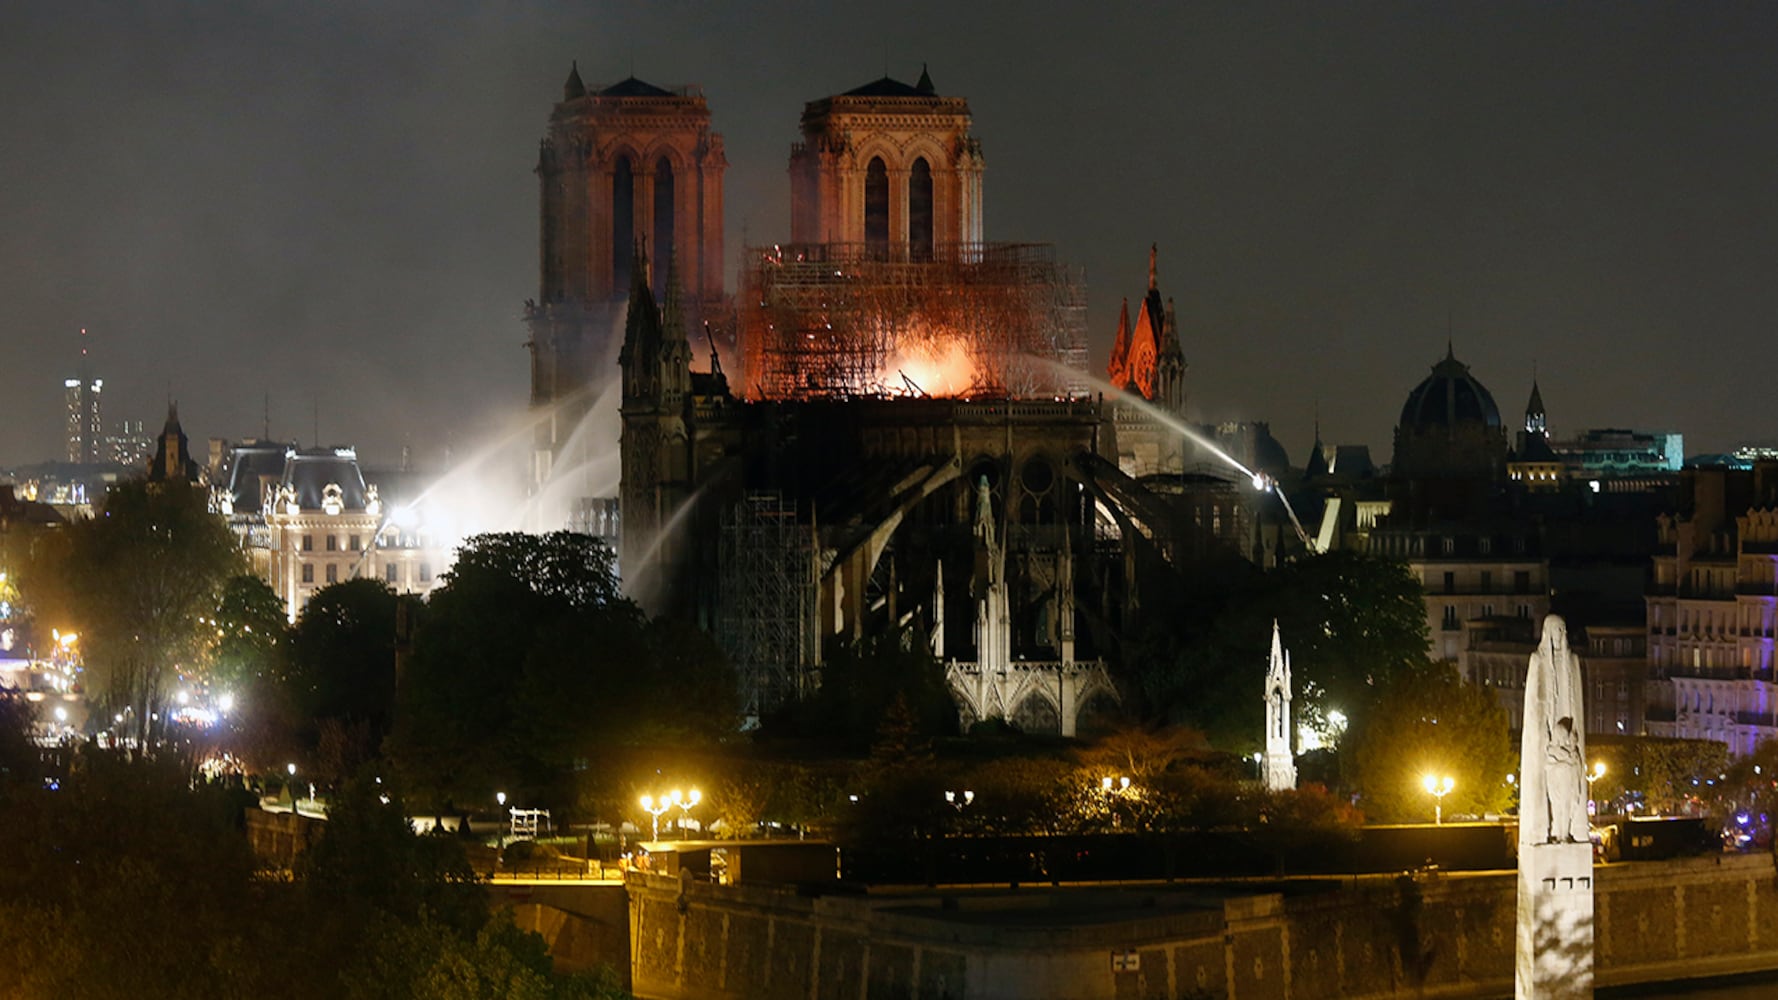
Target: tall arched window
pixel 876 209
pixel 920 211
pixel 662 251
pixel 623 223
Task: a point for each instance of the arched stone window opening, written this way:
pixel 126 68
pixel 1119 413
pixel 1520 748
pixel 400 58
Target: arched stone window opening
pixel 920 210
pixel 876 209
pixel 623 222
pixel 662 250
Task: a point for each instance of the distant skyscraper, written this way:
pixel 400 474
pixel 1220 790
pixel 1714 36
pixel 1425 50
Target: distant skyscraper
pixel 85 431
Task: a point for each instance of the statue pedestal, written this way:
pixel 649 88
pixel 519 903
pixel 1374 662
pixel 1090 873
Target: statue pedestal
pixel 1555 935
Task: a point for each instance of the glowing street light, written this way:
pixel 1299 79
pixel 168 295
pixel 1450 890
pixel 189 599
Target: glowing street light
pixel 654 809
pixel 685 803
pixel 1595 774
pixel 959 799
pixel 1438 788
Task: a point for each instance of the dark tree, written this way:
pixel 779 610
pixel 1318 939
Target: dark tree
pixel 530 664
pixel 861 682
pixel 1195 655
pixel 342 675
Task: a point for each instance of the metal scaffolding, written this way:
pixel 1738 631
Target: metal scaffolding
pixel 829 320
pixel 767 617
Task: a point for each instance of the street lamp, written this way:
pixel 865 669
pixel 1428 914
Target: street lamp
pixel 1439 788
pixel 685 804
pixel 959 799
pixel 290 769
pixel 654 809
pixel 1595 774
pixel 1109 786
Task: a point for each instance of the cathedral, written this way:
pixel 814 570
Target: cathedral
pixel 890 429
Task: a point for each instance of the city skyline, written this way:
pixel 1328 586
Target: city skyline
pixel 333 218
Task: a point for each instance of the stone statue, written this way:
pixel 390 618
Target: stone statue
pixel 1553 748
pixel 1554 949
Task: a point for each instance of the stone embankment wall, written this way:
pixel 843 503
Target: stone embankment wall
pixel 1377 936
pixel 278 837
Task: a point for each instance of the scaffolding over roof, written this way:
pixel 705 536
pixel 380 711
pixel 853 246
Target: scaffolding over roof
pixel 767 581
pixel 970 320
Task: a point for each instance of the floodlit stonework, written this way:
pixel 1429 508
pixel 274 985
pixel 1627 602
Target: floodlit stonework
pixel 1555 900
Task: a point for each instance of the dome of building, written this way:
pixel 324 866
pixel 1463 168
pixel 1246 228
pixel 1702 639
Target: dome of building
pixel 1449 397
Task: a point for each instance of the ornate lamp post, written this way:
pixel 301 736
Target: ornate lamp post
pixel 654 809
pixel 685 804
pixel 1438 788
pixel 959 799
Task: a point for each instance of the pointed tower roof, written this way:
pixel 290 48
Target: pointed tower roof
pixel 1119 368
pixel 642 319
pixel 1317 462
pixel 1535 406
pixel 1170 348
pixel 925 84
pixel 573 88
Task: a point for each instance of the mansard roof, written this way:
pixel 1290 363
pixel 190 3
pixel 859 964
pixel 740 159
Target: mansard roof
pixel 248 464
pixel 312 470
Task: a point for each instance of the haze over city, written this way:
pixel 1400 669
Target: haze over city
pixel 331 209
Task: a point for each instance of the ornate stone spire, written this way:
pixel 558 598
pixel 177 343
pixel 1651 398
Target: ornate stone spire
pixel 573 88
pixel 1279 763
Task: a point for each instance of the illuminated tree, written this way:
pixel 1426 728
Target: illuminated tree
pixel 1430 723
pixel 139 581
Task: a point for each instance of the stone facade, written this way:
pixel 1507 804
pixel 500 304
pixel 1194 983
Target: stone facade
pixel 1713 611
pixel 890 167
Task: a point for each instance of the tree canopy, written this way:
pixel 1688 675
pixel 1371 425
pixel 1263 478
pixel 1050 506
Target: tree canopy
pixel 137 583
pixel 1430 722
pixel 1196 654
pixel 530 661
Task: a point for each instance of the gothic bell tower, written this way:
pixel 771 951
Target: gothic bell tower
pixel 621 165
pixel 890 167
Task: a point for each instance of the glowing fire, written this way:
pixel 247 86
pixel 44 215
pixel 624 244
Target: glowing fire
pixel 939 366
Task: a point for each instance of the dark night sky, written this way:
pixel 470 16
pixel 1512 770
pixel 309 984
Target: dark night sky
pixel 334 205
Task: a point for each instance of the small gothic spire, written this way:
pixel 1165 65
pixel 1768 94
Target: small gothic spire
pixel 573 88
pixel 925 84
pixel 672 317
pixel 1153 249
